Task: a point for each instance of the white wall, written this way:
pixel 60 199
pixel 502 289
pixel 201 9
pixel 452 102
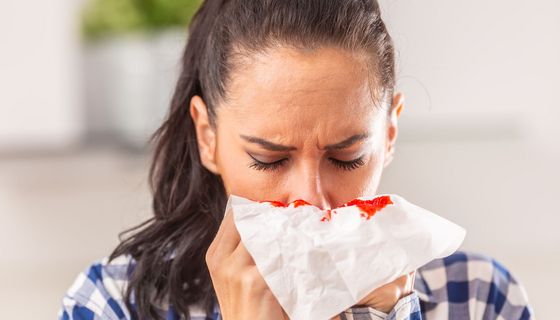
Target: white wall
pixel 39 100
pixel 479 140
pixel 482 58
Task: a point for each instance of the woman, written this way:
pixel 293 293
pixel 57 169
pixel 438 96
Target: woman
pixel 276 100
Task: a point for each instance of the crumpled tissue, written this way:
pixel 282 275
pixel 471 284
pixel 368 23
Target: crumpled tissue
pixel 318 263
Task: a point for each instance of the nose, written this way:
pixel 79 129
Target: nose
pixel 307 185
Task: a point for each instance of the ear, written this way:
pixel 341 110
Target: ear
pixel 397 106
pixel 205 134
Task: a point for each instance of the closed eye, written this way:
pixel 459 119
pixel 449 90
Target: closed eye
pixel 344 165
pixel 259 165
pixel 348 165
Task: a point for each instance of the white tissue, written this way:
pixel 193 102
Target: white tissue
pixel 317 269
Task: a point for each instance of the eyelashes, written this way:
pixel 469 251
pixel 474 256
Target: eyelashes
pixel 348 165
pixel 272 166
pixel 258 165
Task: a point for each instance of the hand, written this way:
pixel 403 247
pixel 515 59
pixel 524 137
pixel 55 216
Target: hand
pixel 241 291
pixel 386 297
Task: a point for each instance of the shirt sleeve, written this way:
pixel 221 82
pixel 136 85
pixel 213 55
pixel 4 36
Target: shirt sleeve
pixel 471 285
pixel 505 296
pixel 93 295
pixel 407 308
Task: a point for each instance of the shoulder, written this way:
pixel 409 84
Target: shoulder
pixel 474 282
pixel 98 291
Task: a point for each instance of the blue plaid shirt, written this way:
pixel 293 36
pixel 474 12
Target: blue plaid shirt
pixel 461 286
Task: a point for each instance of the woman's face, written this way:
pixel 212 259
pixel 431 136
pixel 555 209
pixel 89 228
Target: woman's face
pixel 299 125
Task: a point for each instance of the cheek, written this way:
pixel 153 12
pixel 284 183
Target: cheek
pixel 374 170
pixel 249 183
pixel 347 185
pixel 239 179
pixel 373 175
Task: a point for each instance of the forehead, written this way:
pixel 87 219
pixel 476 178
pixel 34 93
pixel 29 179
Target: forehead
pixel 328 88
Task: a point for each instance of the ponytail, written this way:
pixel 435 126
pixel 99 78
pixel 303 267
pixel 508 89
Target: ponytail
pixel 188 201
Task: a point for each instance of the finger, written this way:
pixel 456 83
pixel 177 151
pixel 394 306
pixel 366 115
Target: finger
pixel 221 228
pixel 387 291
pixel 412 278
pixel 242 256
pixel 227 238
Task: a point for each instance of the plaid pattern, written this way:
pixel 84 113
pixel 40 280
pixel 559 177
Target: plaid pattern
pixel 407 308
pixel 470 286
pixel 461 286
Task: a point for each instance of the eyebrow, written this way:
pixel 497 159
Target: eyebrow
pixel 278 147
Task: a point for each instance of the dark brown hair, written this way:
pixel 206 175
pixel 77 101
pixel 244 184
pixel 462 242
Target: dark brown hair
pixel 188 200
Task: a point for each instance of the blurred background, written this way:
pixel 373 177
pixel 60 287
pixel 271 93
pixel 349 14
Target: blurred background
pixel 84 83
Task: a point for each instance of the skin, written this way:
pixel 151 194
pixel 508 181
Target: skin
pixel 304 101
